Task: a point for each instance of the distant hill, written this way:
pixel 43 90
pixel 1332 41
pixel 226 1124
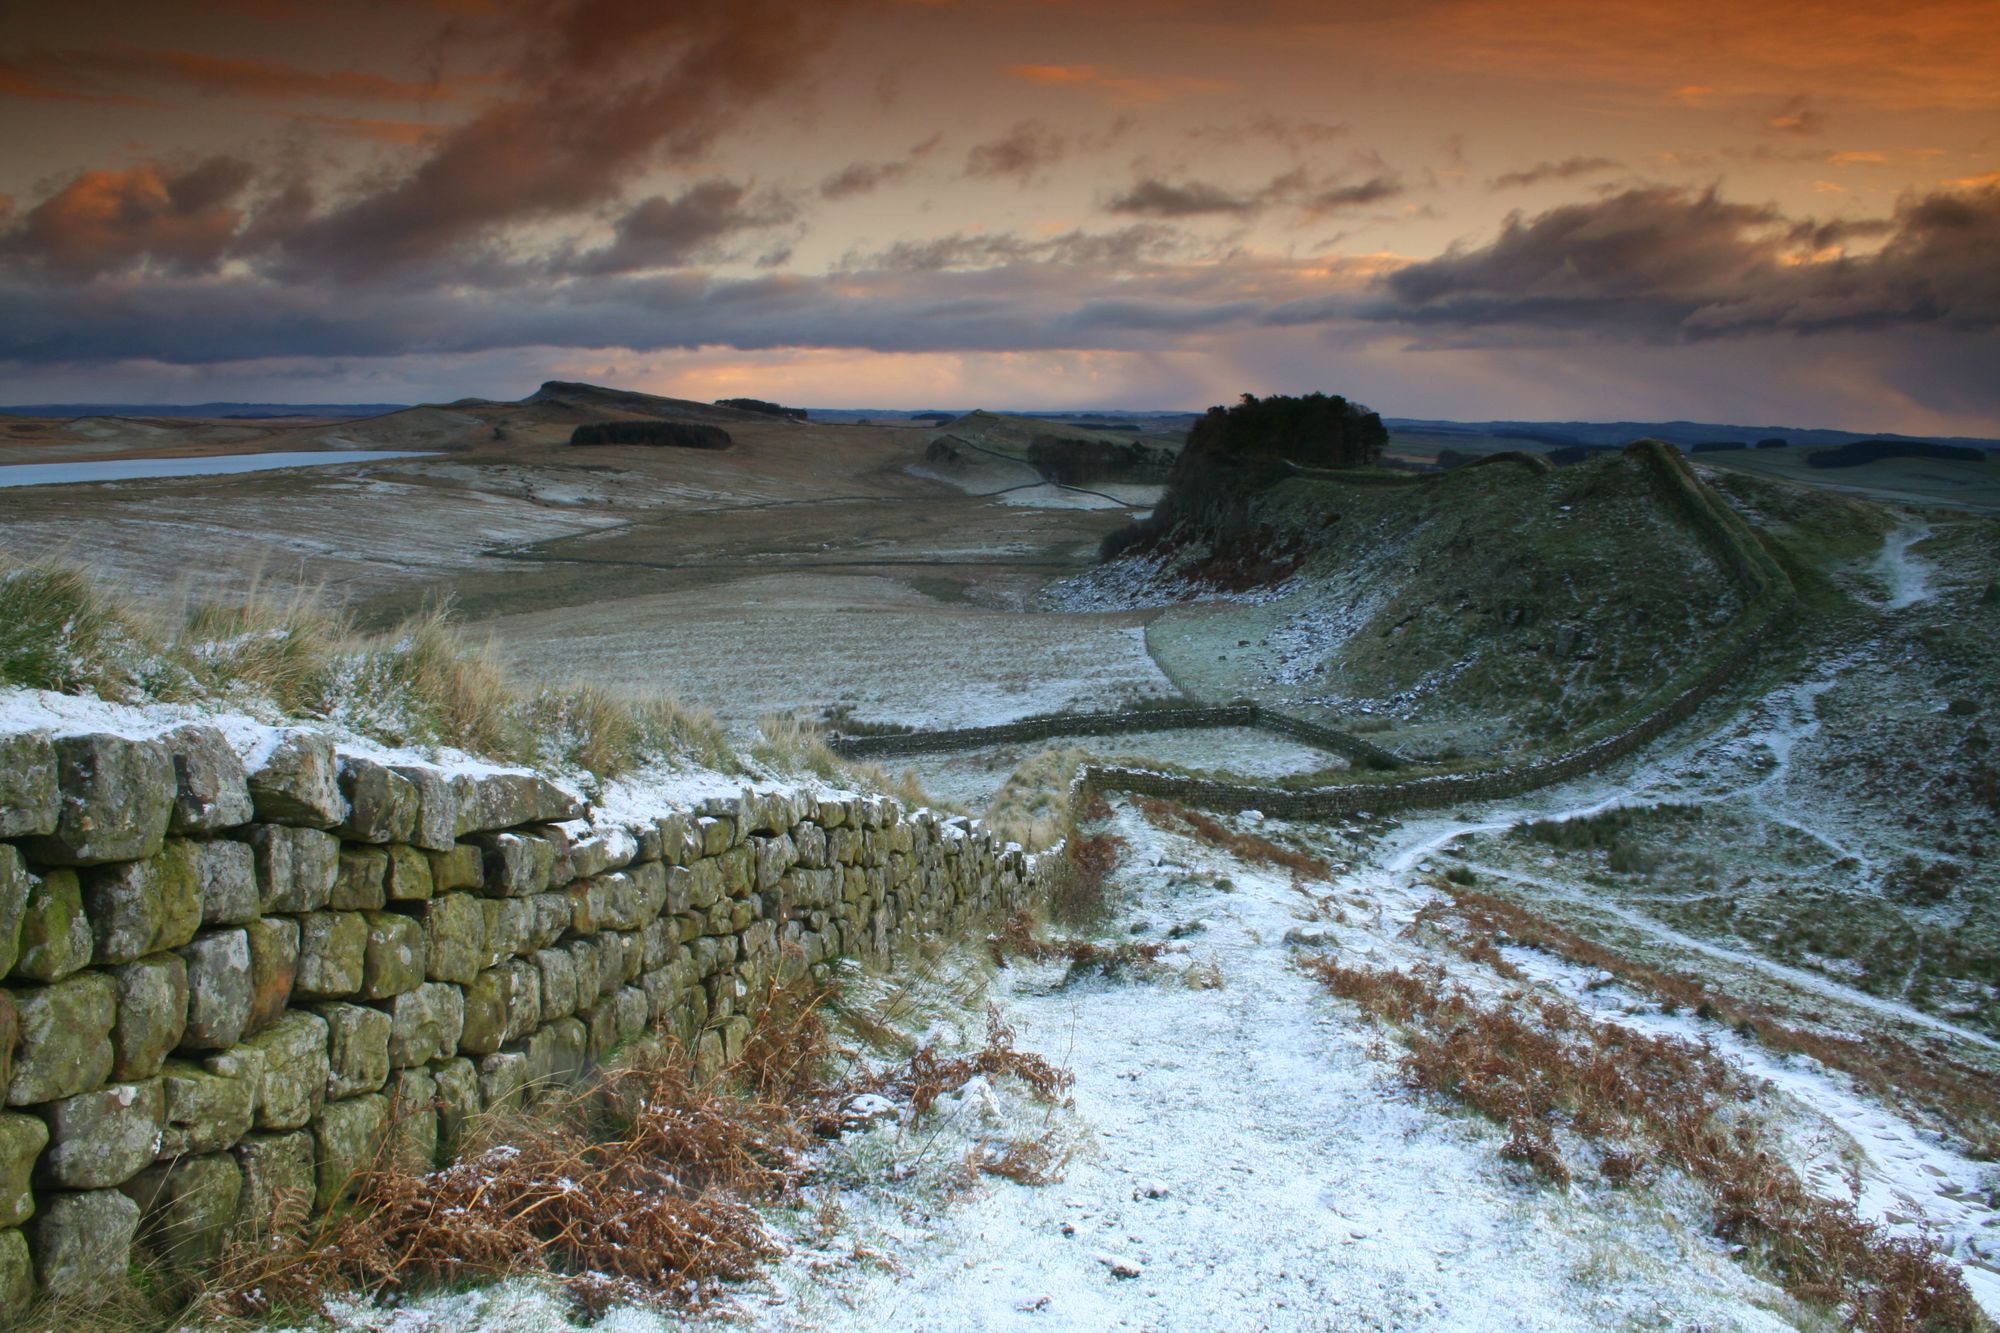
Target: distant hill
pixel 1686 434
pixel 251 411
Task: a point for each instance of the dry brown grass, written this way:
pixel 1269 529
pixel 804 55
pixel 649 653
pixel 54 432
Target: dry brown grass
pixel 1175 818
pixel 1020 937
pixel 1537 1066
pixel 640 1188
pixel 1965 1098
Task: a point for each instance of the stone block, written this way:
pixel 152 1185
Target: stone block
pixel 382 803
pixel 569 1050
pixel 346 1138
pixel 361 881
pixel 333 950
pixel 558 971
pixel 454 930
pixel 294 779
pixel 739 871
pixel 187 1208
pixel 296 867
pixel 65 1038
pixel 55 936
pixel 211 789
pixel 293 1081
pixel 436 824
pixel 718 834
pixel 504 1077
pixel 30 802
pixel 516 864
pixel 115 799
pixel 680 841
pixel 394 959
pixel 489 802
pixel 462 866
pixel 772 858
pixel 22 1138
pixel 15 881
pixel 413 1119
pixel 586 959
pixel 458 1102
pixel 221 990
pixel 509 928
pixel 102 1138
pixel 17 1271
pixel 209 1106
pixel 278 1184
pixel 594 851
pixel 274 967
pixel 425 1024
pixel 552 919
pixel 152 1014
pixel 82 1244
pixel 601 1025
pixel 141 907
pixel 357 1049
pixel 409 879
pixel 633 1012
pixel 226 875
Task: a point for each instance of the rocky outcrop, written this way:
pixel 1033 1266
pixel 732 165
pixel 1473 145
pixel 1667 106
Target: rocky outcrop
pixel 225 979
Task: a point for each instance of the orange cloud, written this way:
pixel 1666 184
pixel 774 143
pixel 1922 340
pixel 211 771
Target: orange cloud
pixel 1053 75
pixel 1694 94
pixel 1983 180
pixel 1120 89
pixel 1851 159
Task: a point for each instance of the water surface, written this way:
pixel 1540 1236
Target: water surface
pixel 132 469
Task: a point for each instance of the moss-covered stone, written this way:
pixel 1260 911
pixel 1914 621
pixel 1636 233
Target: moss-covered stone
pixel 393 961
pixel 152 1014
pixel 346 1137
pixel 296 867
pixel 357 1049
pixel 295 781
pixel 65 1038
pixel 141 907
pixel 274 968
pixel 220 991
pixel 116 796
pixel 361 881
pixel 22 1138
pixel 102 1138
pixel 409 878
pixel 382 803
pixel 333 948
pixel 425 1024
pixel 278 1184
pixel 292 1085
pixel 454 929
pixel 186 1208
pixel 82 1244
pixel 17 1271
pixel 210 789
pixel 209 1106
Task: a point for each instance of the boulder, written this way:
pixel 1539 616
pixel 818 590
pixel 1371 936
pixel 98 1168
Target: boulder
pixel 211 789
pixel 382 803
pixel 278 1184
pixel 436 825
pixel 294 779
pixel 361 881
pixel 116 797
pixel 102 1138
pixel 296 867
pixel 226 875
pixel 65 1038
pixel 333 948
pixel 152 1014
pixel 55 933
pixel 425 1024
pixel 346 1137
pixel 141 907
pixel 82 1244
pixel 29 798
pixel 187 1208
pixel 274 968
pixel 221 989
pixel 292 1084
pixel 22 1138
pixel 357 1049
pixel 209 1106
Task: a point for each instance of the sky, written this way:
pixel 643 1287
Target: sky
pixel 1780 213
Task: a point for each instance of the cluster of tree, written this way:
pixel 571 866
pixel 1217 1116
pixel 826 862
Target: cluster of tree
pixel 676 434
pixel 759 405
pixel 1770 442
pixel 940 418
pixel 1076 461
pixel 1259 436
pixel 1571 454
pixel 1716 446
pixel 1869 451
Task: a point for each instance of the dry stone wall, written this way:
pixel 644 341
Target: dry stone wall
pixel 227 980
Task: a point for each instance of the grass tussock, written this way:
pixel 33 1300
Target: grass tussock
pixel 641 1188
pixel 1542 1067
pixel 1020 937
pixel 1175 818
pixel 1964 1098
pixel 286 651
pixel 1032 806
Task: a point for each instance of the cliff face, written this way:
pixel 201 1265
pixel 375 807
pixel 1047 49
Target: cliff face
pixel 230 976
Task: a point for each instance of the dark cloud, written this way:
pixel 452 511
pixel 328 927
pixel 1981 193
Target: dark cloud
pixel 1159 199
pixel 1290 133
pixel 1662 263
pixel 1796 116
pixel 867 177
pixel 1117 249
pixel 602 90
pixel 1022 153
pixel 181 219
pixel 1353 194
pixel 1567 169
pixel 670 233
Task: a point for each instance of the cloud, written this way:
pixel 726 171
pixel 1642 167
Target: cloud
pixel 866 177
pixel 1355 194
pixel 1159 199
pixel 1796 116
pixel 1290 133
pixel 1120 89
pixel 120 66
pixel 1567 169
pixel 179 219
pixel 1117 250
pixel 1152 197
pixel 1667 264
pixel 1022 153
pixel 1052 76
pixel 671 233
